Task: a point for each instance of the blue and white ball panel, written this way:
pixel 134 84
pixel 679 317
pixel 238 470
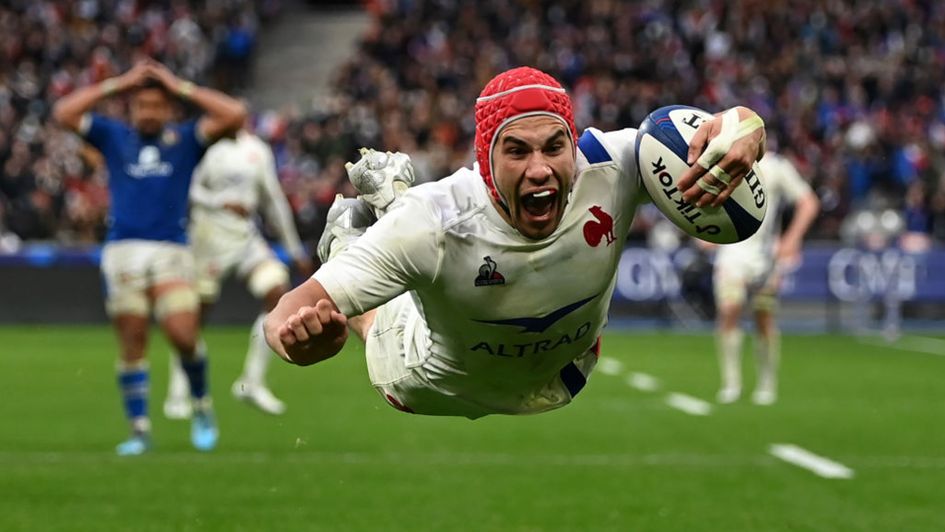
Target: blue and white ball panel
pixel 661 148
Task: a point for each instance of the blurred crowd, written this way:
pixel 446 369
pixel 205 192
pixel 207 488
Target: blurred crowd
pixel 852 91
pixel 52 187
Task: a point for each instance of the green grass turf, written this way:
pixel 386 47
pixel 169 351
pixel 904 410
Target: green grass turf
pixel 616 459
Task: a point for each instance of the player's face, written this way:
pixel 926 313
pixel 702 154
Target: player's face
pixel 533 168
pixel 150 110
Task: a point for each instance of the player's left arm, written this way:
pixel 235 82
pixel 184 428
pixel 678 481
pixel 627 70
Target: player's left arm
pixel 806 208
pixel 721 154
pixel 199 193
pixel 223 115
pixel 276 209
pixel 805 212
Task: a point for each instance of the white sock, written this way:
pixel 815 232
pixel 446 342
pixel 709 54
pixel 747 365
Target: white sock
pixel 177 386
pixel 729 345
pixel 141 425
pixel 258 355
pixel 768 354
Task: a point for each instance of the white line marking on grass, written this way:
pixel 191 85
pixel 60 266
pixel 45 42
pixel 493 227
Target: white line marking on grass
pixel 820 466
pixel 26 459
pixel 689 404
pixel 914 344
pixel 643 382
pixel 922 344
pixel 898 462
pixel 397 459
pixel 609 366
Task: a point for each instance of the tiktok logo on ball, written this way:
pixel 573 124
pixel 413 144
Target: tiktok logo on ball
pixel 594 231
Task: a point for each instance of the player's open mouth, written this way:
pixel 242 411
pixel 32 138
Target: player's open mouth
pixel 540 203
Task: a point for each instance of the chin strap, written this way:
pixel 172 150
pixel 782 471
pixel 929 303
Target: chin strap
pixel 504 206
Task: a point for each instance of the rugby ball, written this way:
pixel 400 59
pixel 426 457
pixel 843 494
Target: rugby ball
pixel 662 146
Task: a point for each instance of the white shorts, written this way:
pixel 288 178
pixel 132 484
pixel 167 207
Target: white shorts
pixel 750 278
pixel 131 267
pixel 397 347
pixel 219 254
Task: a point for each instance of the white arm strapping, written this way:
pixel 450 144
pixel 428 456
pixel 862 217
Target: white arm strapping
pixel 733 129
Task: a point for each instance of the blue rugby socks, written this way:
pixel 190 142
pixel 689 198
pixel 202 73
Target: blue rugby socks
pixel 133 381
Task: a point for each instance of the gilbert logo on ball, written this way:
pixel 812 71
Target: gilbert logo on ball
pixel 662 147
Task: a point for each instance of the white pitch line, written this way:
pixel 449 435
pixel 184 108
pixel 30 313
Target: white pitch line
pixel 820 466
pixel 689 404
pixel 922 344
pixel 609 366
pixel 443 458
pixel 913 344
pixel 643 382
pixel 26 459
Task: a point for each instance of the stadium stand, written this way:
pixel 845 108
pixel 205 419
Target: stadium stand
pixel 852 91
pixel 51 186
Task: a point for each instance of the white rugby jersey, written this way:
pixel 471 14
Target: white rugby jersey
pixel 501 314
pixel 782 183
pixel 242 171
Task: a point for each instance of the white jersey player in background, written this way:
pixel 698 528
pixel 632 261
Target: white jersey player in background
pixel 236 180
pixel 750 270
pixel 486 292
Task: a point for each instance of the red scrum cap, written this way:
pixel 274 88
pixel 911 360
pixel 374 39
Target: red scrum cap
pixel 514 94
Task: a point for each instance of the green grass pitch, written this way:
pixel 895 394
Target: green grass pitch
pixel 616 459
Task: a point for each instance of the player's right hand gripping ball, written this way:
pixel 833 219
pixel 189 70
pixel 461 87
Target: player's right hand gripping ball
pixel 662 147
pixel 381 177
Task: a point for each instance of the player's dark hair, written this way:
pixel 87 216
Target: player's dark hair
pixel 154 84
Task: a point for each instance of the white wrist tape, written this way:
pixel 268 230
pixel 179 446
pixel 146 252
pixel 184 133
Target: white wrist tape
pixel 706 186
pixel 720 174
pixel 733 129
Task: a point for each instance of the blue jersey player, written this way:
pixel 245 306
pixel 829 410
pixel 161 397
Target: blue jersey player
pixel 146 264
